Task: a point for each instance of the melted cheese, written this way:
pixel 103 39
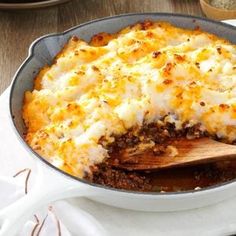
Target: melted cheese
pixel 141 74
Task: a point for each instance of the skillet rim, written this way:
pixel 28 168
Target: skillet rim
pixel 104 187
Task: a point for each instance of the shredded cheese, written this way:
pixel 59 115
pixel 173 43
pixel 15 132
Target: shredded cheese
pixel 142 73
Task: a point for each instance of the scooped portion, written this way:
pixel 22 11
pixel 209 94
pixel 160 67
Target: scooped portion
pixel 148 73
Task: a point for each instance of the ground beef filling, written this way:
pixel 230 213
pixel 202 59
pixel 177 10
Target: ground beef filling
pixel 158 133
pixel 178 179
pixel 106 174
pixel 172 180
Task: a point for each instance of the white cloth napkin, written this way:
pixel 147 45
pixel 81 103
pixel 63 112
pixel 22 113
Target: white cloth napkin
pixel 84 217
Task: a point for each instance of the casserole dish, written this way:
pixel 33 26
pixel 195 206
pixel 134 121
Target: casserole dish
pixel 52 183
pixel 29 5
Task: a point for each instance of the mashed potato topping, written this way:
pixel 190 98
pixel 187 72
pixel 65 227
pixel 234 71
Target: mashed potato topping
pixel 116 82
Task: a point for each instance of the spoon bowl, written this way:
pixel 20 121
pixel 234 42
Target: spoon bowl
pixel 189 152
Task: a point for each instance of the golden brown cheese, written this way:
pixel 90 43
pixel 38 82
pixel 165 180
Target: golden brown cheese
pixel 142 73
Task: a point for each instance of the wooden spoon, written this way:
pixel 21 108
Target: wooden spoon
pixel 190 152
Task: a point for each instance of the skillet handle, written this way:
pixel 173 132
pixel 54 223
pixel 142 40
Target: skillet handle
pixel 49 186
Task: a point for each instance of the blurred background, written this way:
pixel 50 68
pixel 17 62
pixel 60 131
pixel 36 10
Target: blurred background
pixel 18 28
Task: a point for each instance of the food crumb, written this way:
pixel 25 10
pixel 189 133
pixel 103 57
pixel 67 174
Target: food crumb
pixel 197 188
pixel 172 151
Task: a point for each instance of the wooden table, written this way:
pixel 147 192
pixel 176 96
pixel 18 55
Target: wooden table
pixel 19 28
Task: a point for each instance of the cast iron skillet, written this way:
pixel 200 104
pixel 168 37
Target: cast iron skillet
pixel 61 184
